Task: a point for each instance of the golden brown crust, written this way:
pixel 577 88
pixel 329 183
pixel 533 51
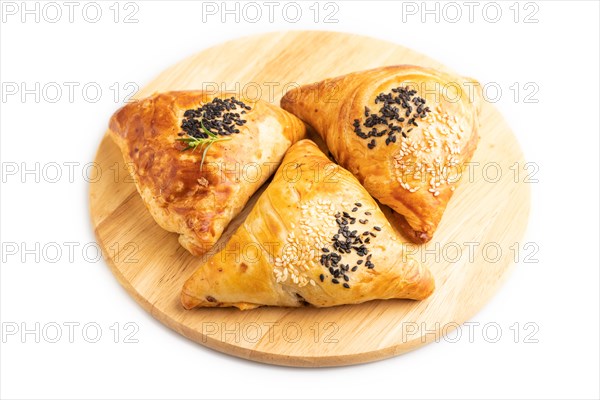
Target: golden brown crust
pixel 274 256
pixel 199 204
pixel 399 175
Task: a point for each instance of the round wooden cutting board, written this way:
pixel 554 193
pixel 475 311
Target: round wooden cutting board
pixel 470 255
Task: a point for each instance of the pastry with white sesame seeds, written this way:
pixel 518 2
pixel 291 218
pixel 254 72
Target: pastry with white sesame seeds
pixel 405 132
pixel 314 237
pixel 187 153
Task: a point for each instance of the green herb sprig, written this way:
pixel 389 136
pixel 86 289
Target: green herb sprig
pixel 193 143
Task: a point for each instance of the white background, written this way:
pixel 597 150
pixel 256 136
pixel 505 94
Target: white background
pixel 559 294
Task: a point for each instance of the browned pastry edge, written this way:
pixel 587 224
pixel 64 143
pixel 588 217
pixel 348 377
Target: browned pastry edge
pixel 279 219
pixel 182 198
pixel 329 107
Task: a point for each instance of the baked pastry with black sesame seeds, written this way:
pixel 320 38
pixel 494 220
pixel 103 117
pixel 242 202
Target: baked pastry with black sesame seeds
pixel 197 158
pixel 315 236
pixel 405 132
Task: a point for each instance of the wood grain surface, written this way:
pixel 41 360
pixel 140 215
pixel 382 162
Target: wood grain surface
pixel 490 211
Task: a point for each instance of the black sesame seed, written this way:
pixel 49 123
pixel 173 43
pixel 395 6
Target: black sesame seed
pixel 335 281
pixel 344 242
pixel 216 116
pixel 377 228
pixel 346 286
pixel 390 114
pixel 367 213
pixel 322 277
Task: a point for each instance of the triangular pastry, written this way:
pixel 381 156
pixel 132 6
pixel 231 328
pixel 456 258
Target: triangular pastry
pixel 196 158
pixel 316 237
pixel 405 132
